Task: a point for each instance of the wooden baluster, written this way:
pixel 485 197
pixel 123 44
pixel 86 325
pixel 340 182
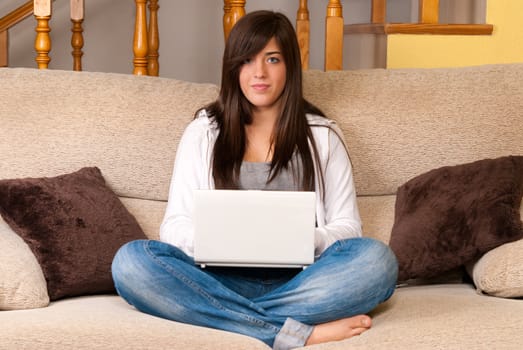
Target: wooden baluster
pixel 334 36
pixel 303 33
pixel 140 46
pixel 429 11
pixel 379 11
pixel 3 49
pixel 77 39
pixel 226 18
pixel 153 65
pixel 233 10
pixel 42 13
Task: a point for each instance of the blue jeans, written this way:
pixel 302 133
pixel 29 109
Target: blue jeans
pixel 279 307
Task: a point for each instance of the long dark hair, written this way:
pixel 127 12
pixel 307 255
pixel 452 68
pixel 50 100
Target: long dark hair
pixel 232 111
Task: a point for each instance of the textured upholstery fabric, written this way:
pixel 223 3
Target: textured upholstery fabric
pixel 400 123
pixel 127 126
pixel 449 216
pixel 74 224
pixel 22 282
pixel 107 322
pixel 397 123
pixel 500 271
pixel 451 316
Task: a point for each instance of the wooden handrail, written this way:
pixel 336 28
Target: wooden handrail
pixel 3 49
pixel 415 28
pixel 16 16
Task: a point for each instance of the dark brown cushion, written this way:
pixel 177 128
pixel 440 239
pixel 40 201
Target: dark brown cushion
pixel 74 225
pixel 451 215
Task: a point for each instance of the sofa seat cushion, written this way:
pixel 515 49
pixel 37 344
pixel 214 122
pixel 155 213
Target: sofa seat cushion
pixel 440 316
pixel 108 322
pixel 451 316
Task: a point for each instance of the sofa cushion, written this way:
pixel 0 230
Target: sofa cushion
pixel 22 283
pixel 499 272
pixel 74 224
pixel 451 215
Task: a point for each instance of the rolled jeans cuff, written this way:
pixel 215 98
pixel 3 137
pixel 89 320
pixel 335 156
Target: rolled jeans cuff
pixel 293 334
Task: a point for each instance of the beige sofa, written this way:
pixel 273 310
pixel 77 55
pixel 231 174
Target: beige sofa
pixel 398 124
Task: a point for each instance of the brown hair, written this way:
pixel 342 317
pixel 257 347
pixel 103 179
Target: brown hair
pixel 232 111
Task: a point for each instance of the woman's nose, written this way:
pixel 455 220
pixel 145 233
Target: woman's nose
pixel 259 69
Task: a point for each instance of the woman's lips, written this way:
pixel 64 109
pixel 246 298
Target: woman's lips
pixel 260 87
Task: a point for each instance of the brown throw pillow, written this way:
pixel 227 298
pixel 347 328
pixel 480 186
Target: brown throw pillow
pixel 452 215
pixel 74 225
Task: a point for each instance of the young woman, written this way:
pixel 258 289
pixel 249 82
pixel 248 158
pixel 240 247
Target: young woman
pixel 262 134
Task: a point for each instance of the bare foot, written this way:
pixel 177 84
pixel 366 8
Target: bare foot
pixel 339 329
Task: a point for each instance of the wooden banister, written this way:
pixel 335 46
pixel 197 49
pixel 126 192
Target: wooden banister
pixel 146 39
pixel 233 10
pixel 16 16
pixel 140 46
pixel 42 13
pixel 379 11
pixel 3 49
pixel 153 65
pixel 77 39
pixel 6 22
pixel 334 36
pixel 428 11
pixel 303 33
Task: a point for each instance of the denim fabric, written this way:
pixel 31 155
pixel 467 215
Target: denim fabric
pixel 279 307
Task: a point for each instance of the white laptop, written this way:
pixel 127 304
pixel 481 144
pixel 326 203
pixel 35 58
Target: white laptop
pixel 254 228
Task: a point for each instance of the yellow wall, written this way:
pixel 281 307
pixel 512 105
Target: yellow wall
pixel 505 45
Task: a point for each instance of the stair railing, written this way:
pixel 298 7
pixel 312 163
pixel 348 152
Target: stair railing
pixel 335 29
pixel 146 39
pixel 6 23
pixel 146 35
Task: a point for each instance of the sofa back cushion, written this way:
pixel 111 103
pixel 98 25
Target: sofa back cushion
pixel 400 123
pixel 397 123
pixel 57 122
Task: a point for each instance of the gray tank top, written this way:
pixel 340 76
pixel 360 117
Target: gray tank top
pixel 254 176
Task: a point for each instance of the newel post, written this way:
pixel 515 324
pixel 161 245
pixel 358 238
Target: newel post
pixel 334 36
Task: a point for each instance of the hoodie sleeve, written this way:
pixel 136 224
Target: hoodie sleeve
pixel 191 171
pixel 341 218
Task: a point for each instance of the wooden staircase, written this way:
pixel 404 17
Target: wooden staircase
pixel 8 21
pixel 336 31
pixel 146 36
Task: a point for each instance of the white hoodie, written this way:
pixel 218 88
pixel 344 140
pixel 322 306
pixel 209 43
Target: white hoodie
pixel 337 213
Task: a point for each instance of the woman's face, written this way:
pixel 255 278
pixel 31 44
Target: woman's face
pixel 263 77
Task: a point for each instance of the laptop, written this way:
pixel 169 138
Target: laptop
pixel 254 228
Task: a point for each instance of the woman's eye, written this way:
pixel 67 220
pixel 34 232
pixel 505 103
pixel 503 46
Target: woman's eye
pixel 273 60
